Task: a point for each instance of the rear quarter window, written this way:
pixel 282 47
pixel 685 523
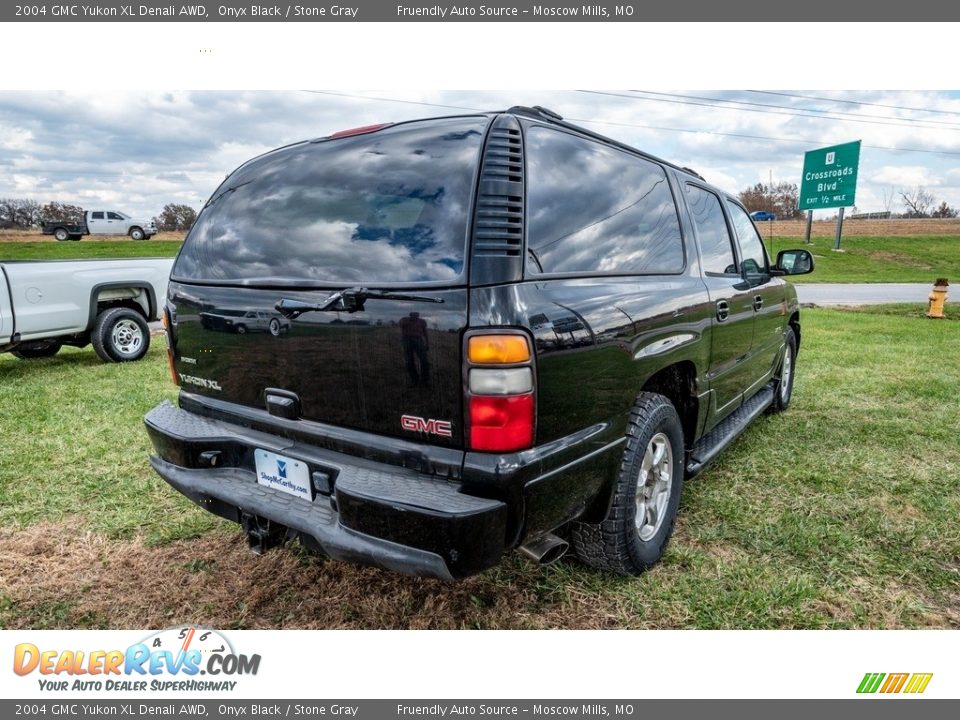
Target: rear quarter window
pixel 390 207
pixel 595 209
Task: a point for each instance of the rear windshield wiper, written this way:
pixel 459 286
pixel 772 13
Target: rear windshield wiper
pixel 350 300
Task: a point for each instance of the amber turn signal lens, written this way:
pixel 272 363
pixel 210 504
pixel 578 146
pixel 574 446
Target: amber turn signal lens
pixel 498 349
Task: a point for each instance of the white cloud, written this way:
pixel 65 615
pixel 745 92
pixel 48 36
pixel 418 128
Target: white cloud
pixel 140 150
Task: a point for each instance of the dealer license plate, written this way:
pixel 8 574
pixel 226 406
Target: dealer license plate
pixel 283 473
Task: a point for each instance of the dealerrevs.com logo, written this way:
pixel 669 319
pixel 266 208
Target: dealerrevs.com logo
pixel 187 658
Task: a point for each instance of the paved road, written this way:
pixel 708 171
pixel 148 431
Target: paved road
pixel 862 293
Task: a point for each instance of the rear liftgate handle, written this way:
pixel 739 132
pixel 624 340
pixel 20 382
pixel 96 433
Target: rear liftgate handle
pixel 723 310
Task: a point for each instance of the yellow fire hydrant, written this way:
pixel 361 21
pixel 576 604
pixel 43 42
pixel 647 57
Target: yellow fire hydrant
pixel 937 298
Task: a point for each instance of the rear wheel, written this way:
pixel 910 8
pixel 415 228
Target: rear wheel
pixel 137 233
pixel 635 533
pixel 61 234
pixel 120 335
pixel 784 389
pixel 39 349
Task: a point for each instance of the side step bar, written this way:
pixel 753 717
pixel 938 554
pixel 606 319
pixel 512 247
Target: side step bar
pixel 727 431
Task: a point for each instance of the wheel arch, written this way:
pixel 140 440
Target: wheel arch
pixel 794 324
pixel 98 303
pixel 678 383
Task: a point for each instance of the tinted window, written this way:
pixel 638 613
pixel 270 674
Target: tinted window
pixel 114 216
pixel 592 208
pixel 715 248
pixel 97 216
pixel 386 207
pixel 751 246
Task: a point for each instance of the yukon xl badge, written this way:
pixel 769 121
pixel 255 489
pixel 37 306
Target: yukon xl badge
pixel 200 382
pixel 424 425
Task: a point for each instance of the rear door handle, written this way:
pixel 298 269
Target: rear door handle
pixel 723 310
pixel 757 303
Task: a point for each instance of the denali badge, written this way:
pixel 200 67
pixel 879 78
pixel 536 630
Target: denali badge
pixel 200 382
pixel 430 427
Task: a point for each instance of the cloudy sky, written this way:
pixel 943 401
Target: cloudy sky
pixel 138 151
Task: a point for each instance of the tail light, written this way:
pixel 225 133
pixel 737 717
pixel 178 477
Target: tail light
pixel 168 336
pixel 500 392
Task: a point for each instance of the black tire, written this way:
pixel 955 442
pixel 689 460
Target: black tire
pixel 136 233
pixel 61 234
pixel 275 328
pixel 240 329
pixel 115 335
pixel 38 349
pixel 618 544
pixel 783 391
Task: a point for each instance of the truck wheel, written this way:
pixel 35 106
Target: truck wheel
pixel 61 234
pixel 120 335
pixel 635 533
pixel 136 233
pixel 784 384
pixel 39 349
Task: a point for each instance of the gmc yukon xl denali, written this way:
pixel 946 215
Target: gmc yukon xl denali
pixel 501 331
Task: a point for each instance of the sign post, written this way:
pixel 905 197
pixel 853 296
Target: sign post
pixel 830 181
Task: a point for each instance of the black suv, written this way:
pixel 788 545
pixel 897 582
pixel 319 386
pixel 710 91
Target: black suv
pixel 500 331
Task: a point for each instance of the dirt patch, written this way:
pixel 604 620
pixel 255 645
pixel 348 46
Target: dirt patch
pixel 899 259
pixel 59 576
pixel 896 227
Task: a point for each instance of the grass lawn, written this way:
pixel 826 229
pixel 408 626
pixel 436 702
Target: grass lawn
pixel 87 249
pixel 841 512
pixel 878 259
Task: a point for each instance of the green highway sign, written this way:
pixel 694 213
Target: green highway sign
pixel 830 177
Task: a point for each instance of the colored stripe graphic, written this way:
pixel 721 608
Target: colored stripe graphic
pixel 870 682
pixel 918 682
pixel 894 683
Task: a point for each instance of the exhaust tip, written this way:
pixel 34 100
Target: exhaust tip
pixel 546 549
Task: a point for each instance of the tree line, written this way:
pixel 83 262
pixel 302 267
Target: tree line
pixel 27 214
pixel 781 199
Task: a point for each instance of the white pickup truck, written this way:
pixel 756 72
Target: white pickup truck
pixel 106 303
pixel 101 222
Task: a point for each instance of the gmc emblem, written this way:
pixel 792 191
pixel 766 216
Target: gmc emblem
pixel 430 427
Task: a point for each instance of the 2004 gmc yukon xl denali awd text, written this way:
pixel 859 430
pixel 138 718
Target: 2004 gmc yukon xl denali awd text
pixel 501 331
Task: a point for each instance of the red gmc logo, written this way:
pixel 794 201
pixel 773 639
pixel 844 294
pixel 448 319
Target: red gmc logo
pixel 422 425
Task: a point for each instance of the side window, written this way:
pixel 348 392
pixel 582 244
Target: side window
pixel 97 216
pixel 751 246
pixel 113 216
pixel 715 247
pixel 593 208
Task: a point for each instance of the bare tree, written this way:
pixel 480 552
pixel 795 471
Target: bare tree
pixel 888 200
pixel 917 202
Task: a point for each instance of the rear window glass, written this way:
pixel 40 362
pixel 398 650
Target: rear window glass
pixel 382 208
pixel 595 209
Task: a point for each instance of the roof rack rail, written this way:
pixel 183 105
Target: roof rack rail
pixel 541 113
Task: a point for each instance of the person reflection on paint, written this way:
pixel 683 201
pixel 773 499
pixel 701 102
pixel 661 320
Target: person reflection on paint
pixel 413 336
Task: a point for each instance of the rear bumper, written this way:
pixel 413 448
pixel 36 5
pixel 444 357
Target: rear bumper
pixel 362 511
